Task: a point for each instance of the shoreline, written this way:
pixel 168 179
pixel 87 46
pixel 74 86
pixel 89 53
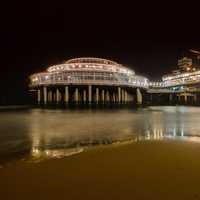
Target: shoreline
pixel 143 170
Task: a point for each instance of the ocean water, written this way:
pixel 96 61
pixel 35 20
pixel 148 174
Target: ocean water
pixel 34 134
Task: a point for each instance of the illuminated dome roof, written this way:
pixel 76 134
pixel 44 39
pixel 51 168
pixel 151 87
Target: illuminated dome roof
pixel 92 61
pixel 90 64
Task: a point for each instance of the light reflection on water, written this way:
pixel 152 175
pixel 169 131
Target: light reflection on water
pixel 45 133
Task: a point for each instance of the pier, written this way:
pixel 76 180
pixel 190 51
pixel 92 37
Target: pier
pixel 101 81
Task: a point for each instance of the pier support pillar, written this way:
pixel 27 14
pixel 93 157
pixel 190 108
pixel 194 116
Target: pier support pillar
pixel 132 98
pixel 139 96
pixel 54 96
pixel 122 95
pixel 114 100
pixel 119 94
pixel 76 95
pixel 57 96
pixel 50 96
pixel 126 96
pixel 45 94
pixel 66 94
pixel 84 96
pixel 90 94
pixel 97 95
pixel 107 96
pixel 102 96
pixel 185 98
pixel 39 96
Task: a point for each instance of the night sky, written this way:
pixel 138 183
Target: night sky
pixel 148 37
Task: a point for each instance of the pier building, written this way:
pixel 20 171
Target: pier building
pixel 88 80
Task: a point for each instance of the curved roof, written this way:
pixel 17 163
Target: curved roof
pixel 90 64
pixel 92 61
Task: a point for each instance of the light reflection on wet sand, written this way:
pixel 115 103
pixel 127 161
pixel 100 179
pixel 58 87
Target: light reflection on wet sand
pixel 45 133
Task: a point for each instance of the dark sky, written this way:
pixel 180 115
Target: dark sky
pixel 148 37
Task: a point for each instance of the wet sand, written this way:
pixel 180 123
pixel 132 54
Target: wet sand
pixel 144 170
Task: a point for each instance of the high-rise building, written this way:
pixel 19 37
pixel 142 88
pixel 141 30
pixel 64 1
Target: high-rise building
pixel 185 64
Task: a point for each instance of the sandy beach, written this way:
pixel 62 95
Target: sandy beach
pixel 144 170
